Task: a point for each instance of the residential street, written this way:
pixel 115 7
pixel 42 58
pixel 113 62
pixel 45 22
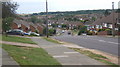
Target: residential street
pixel 106 44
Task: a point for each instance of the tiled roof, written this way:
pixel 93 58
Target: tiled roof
pixel 27 24
pixel 107 19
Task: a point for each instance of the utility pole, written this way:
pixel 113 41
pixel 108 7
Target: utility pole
pixel 113 23
pixel 47 19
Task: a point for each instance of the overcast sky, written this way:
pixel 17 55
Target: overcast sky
pixel 33 6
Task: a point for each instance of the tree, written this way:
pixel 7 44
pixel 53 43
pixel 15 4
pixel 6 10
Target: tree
pixel 8 12
pixel 118 11
pixel 64 26
pixel 34 19
pixel 6 24
pixel 9 9
pixel 93 18
pixel 83 29
pixel 107 13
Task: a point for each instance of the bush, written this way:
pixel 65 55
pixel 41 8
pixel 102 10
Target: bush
pixel 79 33
pixel 109 32
pixel 107 29
pixel 50 31
pixel 101 30
pixel 89 33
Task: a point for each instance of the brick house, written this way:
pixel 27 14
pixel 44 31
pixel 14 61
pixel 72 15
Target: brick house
pixel 26 26
pixel 70 24
pixel 105 22
pixel 20 24
pixel 40 28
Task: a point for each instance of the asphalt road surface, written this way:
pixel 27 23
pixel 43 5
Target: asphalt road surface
pixel 106 44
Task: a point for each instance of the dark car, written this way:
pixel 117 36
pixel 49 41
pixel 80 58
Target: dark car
pixel 69 33
pixel 16 32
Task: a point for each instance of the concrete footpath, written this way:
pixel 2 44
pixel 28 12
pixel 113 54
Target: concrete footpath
pixel 65 55
pixel 6 60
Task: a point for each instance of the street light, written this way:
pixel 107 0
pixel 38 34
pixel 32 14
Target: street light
pixel 46 19
pixel 113 23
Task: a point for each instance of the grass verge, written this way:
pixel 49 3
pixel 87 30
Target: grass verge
pixel 52 40
pixel 96 56
pixel 17 39
pixel 30 56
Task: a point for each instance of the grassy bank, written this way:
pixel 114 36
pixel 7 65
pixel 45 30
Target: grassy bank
pixel 17 39
pixel 96 56
pixel 52 40
pixel 30 56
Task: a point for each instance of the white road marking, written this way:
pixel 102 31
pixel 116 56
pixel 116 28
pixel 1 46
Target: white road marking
pixel 113 42
pixel 108 42
pixel 70 52
pixel 101 40
pixel 60 56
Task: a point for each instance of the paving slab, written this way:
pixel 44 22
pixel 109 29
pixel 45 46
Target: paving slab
pixel 6 60
pixel 65 55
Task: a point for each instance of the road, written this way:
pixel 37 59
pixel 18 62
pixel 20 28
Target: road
pixel 106 44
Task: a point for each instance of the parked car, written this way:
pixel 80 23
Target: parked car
pixel 27 33
pixel 35 34
pixel 16 32
pixel 84 34
pixel 69 33
pixel 63 31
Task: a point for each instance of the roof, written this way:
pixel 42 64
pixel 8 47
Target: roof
pixel 107 19
pixel 21 22
pixel 27 24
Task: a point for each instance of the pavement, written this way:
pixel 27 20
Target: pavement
pixel 106 44
pixel 65 55
pixel 6 60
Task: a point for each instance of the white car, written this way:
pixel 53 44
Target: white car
pixel 84 34
pixel 35 33
pixel 63 31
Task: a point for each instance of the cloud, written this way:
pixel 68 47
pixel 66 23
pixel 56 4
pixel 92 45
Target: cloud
pixel 64 5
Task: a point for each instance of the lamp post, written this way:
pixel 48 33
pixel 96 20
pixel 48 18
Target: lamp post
pixel 47 19
pixel 113 23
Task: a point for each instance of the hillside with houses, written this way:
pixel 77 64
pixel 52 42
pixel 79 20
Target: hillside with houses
pixel 43 33
pixel 94 24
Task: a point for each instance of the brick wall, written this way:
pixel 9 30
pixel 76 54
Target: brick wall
pixel 103 33
pixel 32 28
pixel 14 26
pixel 40 29
pixel 24 28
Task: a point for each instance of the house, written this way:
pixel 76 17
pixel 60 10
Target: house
pixel 105 22
pixel 40 28
pixel 70 24
pixel 20 24
pixel 73 24
pixel 26 26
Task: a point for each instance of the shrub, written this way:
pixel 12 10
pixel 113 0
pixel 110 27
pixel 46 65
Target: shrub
pixel 107 29
pixel 89 33
pixel 101 30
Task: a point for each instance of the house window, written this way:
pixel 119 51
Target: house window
pixel 110 26
pixel 19 25
pixel 104 24
pixel 100 26
pixel 92 26
pixel 97 26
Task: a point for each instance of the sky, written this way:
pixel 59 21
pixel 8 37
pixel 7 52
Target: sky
pixel 36 6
